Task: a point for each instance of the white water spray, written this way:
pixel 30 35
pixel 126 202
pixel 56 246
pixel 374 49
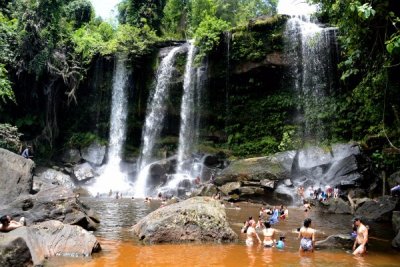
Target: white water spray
pixel 113 178
pixel 156 111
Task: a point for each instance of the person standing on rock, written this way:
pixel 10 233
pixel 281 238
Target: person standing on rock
pixel 360 244
pixel 7 224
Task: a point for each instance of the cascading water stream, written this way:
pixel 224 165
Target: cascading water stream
pixel 308 50
pixel 189 167
pixel 113 178
pixel 187 129
pixel 156 111
pixel 311 57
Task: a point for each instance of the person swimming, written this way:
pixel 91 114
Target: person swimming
pixel 269 235
pixel 307 235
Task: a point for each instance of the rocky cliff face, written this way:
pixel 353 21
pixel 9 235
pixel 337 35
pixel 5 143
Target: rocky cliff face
pixel 50 202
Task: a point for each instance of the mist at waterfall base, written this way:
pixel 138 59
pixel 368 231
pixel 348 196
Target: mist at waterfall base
pixel 111 177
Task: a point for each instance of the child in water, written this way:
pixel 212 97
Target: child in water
pixel 281 243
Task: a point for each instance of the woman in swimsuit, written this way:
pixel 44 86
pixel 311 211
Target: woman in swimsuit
pixel 251 234
pixel 269 235
pixel 307 235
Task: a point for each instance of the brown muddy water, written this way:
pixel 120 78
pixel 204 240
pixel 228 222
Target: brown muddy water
pixel 121 248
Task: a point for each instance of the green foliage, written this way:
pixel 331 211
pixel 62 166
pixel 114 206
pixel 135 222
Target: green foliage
pixel 208 35
pixel 78 140
pixel 290 139
pixel 9 137
pixel 6 92
pixel 174 19
pixel 252 42
pixel 135 41
pixel 141 12
pixel 79 12
pixel 7 41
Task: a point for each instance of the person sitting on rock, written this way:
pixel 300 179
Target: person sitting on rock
pixel 27 152
pixel 7 224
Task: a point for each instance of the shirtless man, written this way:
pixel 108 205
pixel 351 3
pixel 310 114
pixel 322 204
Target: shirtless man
pixel 7 224
pixel 307 235
pixel 252 234
pixel 360 244
pixel 269 235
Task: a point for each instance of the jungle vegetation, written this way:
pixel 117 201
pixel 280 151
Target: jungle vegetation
pixel 48 46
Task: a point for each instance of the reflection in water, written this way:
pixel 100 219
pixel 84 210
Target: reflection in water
pixel 267 256
pixel 120 248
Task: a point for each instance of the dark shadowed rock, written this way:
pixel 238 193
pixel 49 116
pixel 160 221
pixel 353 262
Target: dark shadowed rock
pixel 396 221
pixel 335 242
pixel 379 209
pixel 338 206
pixel 195 219
pixel 15 253
pixel 253 169
pixel 396 241
pixel 94 153
pixel 230 188
pixel 16 176
pixel 71 156
pixel 48 239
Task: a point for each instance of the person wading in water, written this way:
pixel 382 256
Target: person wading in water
pixel 307 235
pixel 360 244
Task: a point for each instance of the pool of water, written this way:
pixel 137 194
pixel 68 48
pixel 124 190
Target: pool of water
pixel 121 248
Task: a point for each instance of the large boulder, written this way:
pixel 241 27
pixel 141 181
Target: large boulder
pixel 46 176
pixel 252 169
pixel 14 252
pixel 379 209
pixel 84 172
pixel 195 219
pixel 35 243
pixel 94 153
pixel 335 242
pixel 71 156
pixel 52 202
pixel 16 176
pixel 338 206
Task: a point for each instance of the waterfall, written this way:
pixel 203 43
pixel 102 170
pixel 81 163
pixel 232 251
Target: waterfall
pixel 187 130
pixel 308 51
pixel 113 178
pixel 188 166
pixel 156 111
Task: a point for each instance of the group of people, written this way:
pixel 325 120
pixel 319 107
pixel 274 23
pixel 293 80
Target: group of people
pixel 318 193
pixel 275 214
pixel 306 233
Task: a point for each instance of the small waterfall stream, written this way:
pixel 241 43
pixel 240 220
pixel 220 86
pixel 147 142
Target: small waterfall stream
pixel 156 111
pixel 112 177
